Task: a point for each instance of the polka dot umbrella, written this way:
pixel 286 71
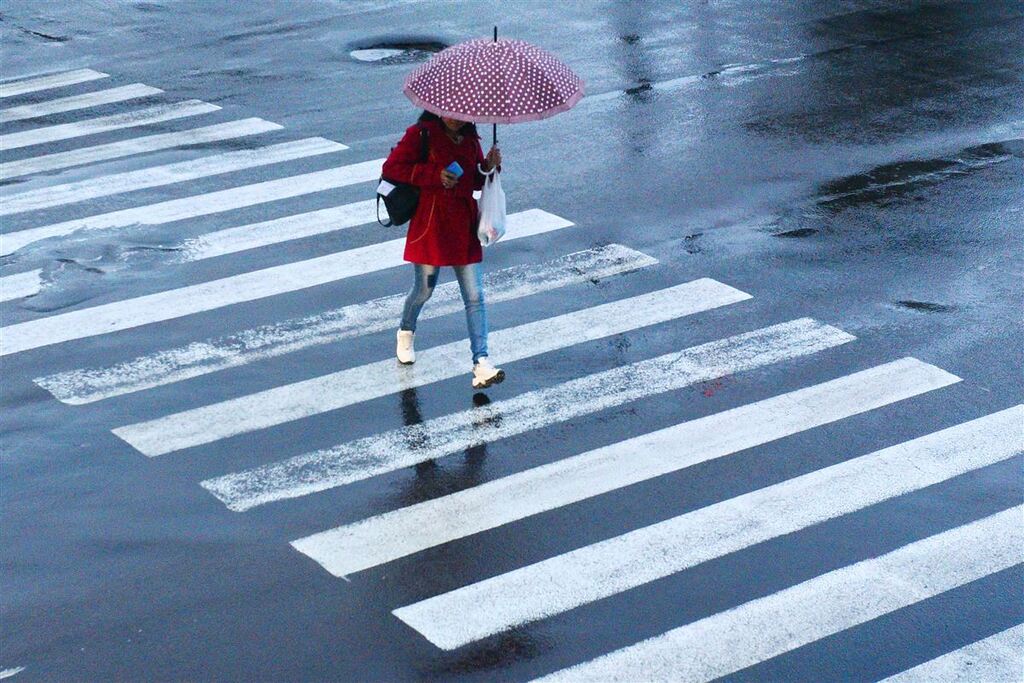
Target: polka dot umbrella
pixel 499 81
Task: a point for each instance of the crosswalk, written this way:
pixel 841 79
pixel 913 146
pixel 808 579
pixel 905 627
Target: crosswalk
pixel 75 102
pixel 996 658
pixel 200 205
pixel 765 628
pixel 618 564
pixel 20 285
pixel 104 124
pixel 23 86
pixel 125 148
pixel 348 387
pixel 87 385
pixel 179 172
pixel 727 641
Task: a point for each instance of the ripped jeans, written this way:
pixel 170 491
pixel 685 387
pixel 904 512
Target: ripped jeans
pixel 470 279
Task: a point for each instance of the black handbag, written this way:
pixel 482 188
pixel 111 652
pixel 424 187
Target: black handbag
pixel 400 199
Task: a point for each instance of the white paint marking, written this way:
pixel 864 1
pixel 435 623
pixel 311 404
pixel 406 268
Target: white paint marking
pixel 996 659
pixel 619 564
pixel 141 117
pixel 383 538
pixel 168 174
pixel 63 104
pixel 49 81
pixel 778 623
pixel 268 341
pixel 203 204
pixel 20 285
pixel 355 385
pixel 206 296
pixel 277 230
pixel 390 451
pixel 125 148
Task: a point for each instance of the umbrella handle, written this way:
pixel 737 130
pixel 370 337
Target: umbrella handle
pixel 494 127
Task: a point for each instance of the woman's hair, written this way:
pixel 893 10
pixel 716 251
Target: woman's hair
pixel 467 128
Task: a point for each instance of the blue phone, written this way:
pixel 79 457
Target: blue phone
pixel 455 168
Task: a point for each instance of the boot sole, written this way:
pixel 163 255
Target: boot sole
pixel 497 379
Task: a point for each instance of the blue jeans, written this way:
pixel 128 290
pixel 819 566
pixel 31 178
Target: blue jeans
pixel 470 284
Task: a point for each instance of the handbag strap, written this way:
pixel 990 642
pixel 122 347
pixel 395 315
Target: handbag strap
pixel 389 223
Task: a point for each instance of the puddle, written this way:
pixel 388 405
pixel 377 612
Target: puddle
pixel 691 243
pixel 397 52
pixel 885 183
pixel 925 306
pixel 644 86
pixel 799 232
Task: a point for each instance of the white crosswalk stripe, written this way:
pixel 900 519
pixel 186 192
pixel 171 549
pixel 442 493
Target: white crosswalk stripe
pixel 156 176
pixel 75 102
pixel 387 452
pixel 49 81
pixel 277 230
pixel 201 205
pixel 401 532
pixel 767 627
pixel 20 285
pixel 355 385
pixel 124 148
pixel 103 124
pixel 250 286
pixel 633 559
pixel 996 659
pixel 268 341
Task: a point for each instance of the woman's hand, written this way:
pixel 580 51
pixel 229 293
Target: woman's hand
pixel 493 159
pixel 448 179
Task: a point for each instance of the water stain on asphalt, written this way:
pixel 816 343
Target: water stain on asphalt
pixel 643 87
pixel 272 31
pixel 691 243
pixel 149 7
pixel 925 306
pixel 47 36
pixel 497 651
pixel 798 232
pixel 889 181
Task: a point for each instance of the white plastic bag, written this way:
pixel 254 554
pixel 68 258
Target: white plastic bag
pixel 492 211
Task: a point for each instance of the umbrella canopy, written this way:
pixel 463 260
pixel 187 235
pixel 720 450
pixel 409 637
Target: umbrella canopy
pixel 501 81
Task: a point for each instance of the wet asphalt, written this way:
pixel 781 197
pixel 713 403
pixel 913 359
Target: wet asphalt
pixel 856 162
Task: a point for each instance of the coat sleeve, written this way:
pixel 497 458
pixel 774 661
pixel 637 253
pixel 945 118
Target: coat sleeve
pixel 404 165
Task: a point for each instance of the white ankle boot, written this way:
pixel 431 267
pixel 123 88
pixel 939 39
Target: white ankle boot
pixel 405 352
pixel 485 374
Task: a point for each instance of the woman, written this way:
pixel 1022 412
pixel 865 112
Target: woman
pixel 443 230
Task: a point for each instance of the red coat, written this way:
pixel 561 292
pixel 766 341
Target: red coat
pixel 442 232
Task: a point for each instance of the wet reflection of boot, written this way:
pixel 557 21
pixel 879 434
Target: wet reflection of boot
pixel 415 437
